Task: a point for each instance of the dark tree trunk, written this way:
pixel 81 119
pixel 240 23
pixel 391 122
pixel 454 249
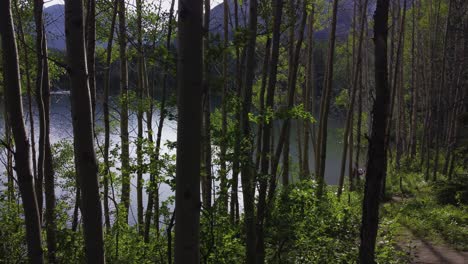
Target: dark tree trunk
pixel 90 36
pixel 325 106
pixel 234 214
pixel 45 152
pixel 85 156
pixel 224 112
pixel 206 114
pixel 125 151
pixel 153 194
pixel 190 85
pixel 377 153
pixel 38 5
pixel 308 93
pixel 139 143
pixel 11 77
pixel 247 170
pixel 349 126
pixel 105 107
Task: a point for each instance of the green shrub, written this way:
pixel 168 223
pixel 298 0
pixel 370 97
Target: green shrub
pixel 453 191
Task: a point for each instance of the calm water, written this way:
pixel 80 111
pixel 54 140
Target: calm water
pixel 61 129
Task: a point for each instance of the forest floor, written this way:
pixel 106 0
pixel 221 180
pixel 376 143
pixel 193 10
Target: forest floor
pixel 428 251
pixel 423 251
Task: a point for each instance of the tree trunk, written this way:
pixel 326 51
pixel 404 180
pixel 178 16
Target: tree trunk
pixel 234 206
pixel 190 86
pixel 153 194
pixel 309 92
pixel 247 170
pixel 105 107
pixel 206 105
pixel 45 152
pixel 124 155
pixel 414 89
pixel 28 91
pixel 85 156
pixel 224 111
pixel 141 88
pixel 325 106
pixel 90 36
pixel 11 78
pixel 377 153
pixel 38 5
pixel 349 118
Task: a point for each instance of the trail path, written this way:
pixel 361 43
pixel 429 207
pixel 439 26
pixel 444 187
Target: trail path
pixel 423 251
pixel 426 252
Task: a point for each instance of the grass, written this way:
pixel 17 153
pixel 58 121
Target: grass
pixel 421 210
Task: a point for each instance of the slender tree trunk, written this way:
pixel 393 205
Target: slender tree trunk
pixel 349 118
pixel 38 5
pixel 309 92
pixel 325 106
pixel 414 89
pixel 11 78
pixel 90 36
pixel 153 195
pixel 291 72
pixel 45 153
pixel 105 106
pixel 124 155
pixel 206 105
pixel 266 201
pixel 49 183
pixel 224 125
pixel 190 86
pixel 377 153
pixel 28 90
pixel 139 144
pixel 85 156
pixel 234 206
pixel 247 170
pixel 9 156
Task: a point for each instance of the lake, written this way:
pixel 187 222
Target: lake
pixel 61 129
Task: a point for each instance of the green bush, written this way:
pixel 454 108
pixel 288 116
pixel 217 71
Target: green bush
pixel 453 191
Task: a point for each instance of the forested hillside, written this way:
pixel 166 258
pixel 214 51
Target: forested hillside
pixel 227 131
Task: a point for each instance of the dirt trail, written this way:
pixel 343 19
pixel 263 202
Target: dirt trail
pixel 423 251
pixel 426 252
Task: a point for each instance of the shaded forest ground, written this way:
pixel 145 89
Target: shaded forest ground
pixel 431 219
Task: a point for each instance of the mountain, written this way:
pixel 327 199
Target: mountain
pixel 55 26
pixel 55 22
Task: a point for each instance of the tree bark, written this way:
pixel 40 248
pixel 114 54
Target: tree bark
pixel 139 143
pixel 349 118
pixel 190 85
pixel 224 112
pixel 308 93
pixel 153 194
pixel 90 36
pixel 325 106
pixel 124 155
pixel 105 107
pixel 85 157
pixel 247 170
pixel 377 153
pixel 11 77
pixel 206 105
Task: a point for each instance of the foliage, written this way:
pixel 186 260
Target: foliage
pixel 454 192
pixel 304 229
pixel 435 211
